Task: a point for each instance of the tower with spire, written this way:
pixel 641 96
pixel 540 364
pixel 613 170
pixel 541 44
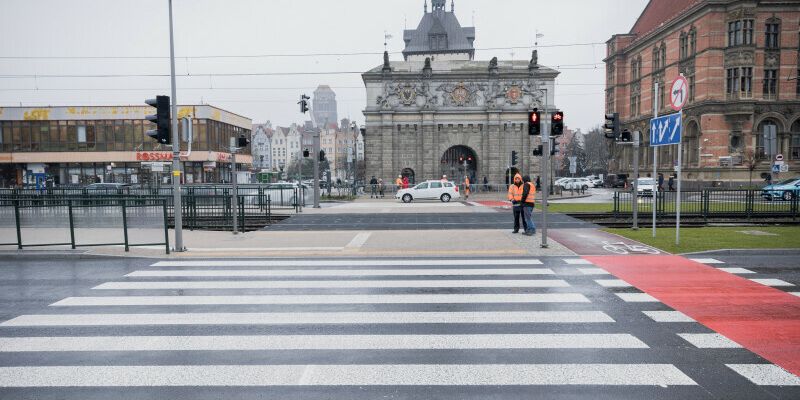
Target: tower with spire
pixel 439 36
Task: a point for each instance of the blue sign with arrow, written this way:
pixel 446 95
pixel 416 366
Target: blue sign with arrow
pixel 666 130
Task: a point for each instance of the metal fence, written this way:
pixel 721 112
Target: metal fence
pixel 51 220
pixel 707 203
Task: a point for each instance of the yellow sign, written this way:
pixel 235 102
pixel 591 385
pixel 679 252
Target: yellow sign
pixel 176 173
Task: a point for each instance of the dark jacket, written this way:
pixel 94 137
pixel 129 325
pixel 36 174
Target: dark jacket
pixel 373 181
pixel 528 193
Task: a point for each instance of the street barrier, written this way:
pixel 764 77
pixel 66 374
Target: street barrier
pixel 708 203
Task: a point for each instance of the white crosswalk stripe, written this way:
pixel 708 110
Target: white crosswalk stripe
pixel 409 311
pixel 766 374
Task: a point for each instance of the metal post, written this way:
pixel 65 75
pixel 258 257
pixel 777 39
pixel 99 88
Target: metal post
pixel 176 148
pixel 124 225
pixel 316 169
pixel 166 224
pixel 235 189
pixel 545 167
pixel 678 200
pixel 17 221
pixel 655 156
pixel 71 225
pixel 635 197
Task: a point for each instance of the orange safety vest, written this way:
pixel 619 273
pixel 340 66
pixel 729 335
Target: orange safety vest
pixel 515 192
pixel 531 193
pixel 398 182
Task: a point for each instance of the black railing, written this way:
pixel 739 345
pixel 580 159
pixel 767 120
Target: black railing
pixel 709 203
pixel 48 217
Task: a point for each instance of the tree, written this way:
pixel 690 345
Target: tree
pixel 574 148
pixel 751 162
pixel 598 151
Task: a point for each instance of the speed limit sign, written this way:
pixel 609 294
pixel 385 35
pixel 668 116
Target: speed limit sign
pixel 679 93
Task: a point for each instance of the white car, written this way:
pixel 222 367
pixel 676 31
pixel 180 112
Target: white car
pixel 645 186
pixel 559 181
pixel 576 184
pixel 429 190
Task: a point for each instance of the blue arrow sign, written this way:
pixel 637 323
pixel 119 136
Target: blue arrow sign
pixel 666 130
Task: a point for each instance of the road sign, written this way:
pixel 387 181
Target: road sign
pixel 666 130
pixel 679 94
pixel 778 157
pixel 785 168
pixel 573 165
pixel 776 169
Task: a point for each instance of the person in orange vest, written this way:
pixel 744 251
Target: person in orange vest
pixel 399 182
pixel 528 197
pixel 515 197
pixel 466 187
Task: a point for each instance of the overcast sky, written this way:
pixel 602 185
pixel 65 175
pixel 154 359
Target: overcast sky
pixel 263 32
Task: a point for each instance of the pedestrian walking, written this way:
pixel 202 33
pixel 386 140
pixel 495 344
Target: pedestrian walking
pixel 399 182
pixel 538 183
pixel 373 183
pixel 671 183
pixel 405 182
pixel 515 196
pixel 466 188
pixel 528 197
pixel 381 187
pixel 485 184
pixel 660 182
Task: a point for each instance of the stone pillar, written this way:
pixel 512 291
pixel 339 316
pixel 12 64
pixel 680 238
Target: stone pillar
pixel 430 157
pixel 386 155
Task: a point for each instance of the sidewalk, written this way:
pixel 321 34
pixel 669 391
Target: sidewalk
pixel 205 244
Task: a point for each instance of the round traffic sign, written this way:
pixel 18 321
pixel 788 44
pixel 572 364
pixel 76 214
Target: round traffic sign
pixel 778 157
pixel 679 93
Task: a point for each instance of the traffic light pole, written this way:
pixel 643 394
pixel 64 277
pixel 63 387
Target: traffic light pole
pixel 234 188
pixel 177 204
pixel 636 143
pixel 316 169
pixel 545 167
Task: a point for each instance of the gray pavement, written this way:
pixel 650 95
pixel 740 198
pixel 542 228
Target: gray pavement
pixel 300 328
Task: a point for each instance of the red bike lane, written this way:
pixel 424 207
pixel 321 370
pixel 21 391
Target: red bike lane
pixel 762 319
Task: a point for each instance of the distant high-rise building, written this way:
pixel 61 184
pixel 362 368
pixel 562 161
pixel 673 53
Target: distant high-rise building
pixel 324 107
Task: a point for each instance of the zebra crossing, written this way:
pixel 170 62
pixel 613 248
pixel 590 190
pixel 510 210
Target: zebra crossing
pixel 363 328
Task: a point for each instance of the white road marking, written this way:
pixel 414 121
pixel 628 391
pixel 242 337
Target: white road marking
pixel 577 261
pixel 766 374
pixel 709 341
pixel 312 318
pixel 346 263
pixel 325 299
pixel 637 297
pixel 772 282
pixel 795 293
pixel 668 316
pixel 321 342
pixel 450 283
pixel 348 374
pixel 737 270
pixel 256 249
pixel 593 271
pixel 707 261
pixel 338 272
pixel 613 283
pixel 359 240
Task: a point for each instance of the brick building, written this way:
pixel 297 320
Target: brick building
pixel 741 61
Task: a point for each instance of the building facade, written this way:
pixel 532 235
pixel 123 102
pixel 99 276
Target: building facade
pixel 427 114
pixel 262 146
pixel 740 59
pixel 324 108
pixel 81 145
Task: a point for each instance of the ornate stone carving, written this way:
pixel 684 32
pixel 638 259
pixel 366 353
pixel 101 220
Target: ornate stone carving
pixel 460 94
pixel 408 94
pixel 739 57
pixel 772 59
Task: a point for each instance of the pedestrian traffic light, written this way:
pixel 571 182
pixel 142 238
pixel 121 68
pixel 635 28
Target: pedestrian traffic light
pixel 322 155
pixel 306 153
pixel 534 122
pixel 161 118
pixel 554 147
pixel 557 123
pixel 242 141
pixel 611 127
pixel 303 103
pixel 513 157
pixel 538 151
pixel 625 136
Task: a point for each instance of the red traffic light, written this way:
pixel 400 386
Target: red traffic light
pixel 558 116
pixel 534 117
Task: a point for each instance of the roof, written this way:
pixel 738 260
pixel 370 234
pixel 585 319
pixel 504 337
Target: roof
pixel 439 22
pixel 463 67
pixel 658 12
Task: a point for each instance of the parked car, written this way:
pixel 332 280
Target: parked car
pixel 429 190
pixel 785 190
pixel 616 180
pixel 559 181
pixel 645 186
pixel 575 184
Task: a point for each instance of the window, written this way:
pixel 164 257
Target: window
pixel 610 73
pixel 795 145
pixel 766 139
pixel 656 59
pixel 684 49
pixel 747 82
pixel 739 82
pixel 662 95
pixel 732 87
pixel 740 32
pixel 772 35
pixel 797 80
pixel 436 185
pixel 81 134
pixel 693 41
pixel 770 83
pixel 438 42
pixel 691 88
pixel 422 186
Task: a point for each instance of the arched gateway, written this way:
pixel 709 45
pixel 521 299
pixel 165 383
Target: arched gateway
pixel 459 162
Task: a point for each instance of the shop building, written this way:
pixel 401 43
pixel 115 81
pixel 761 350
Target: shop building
pixel 81 145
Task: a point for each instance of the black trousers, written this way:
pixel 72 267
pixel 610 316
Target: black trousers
pixel 517 217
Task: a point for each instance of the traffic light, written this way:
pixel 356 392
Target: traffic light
pixel 513 157
pixel 538 151
pixel 306 153
pixel 322 155
pixel 554 147
pixel 303 103
pixel 534 122
pixel 242 141
pixel 611 128
pixel 557 123
pixel 161 118
pixel 625 136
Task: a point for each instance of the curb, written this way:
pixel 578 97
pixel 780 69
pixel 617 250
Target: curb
pixel 753 252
